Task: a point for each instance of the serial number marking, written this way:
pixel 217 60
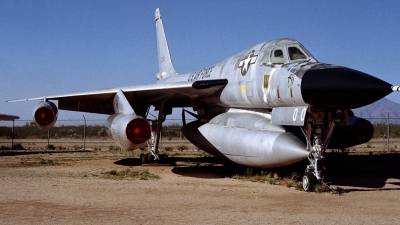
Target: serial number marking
pixel 201 74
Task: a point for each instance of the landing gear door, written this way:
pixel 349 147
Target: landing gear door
pixel 290 116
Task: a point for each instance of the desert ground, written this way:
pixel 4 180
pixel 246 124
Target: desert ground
pixel 71 185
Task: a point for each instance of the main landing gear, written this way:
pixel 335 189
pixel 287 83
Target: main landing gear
pixel 153 156
pixel 153 143
pixel 319 129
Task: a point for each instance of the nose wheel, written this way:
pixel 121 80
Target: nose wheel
pixel 309 181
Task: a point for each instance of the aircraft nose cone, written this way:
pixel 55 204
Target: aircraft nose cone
pixel 341 87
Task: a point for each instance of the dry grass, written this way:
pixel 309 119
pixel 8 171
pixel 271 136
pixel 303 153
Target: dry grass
pixel 128 173
pixel 269 177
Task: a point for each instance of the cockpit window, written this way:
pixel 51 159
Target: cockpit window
pixel 265 59
pixel 278 56
pixel 278 53
pixel 295 53
pixel 282 54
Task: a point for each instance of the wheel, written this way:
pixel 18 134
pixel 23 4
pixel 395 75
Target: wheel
pixel 150 158
pixel 163 158
pixel 144 158
pixel 308 181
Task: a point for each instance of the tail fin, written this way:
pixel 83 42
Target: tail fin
pixel 164 58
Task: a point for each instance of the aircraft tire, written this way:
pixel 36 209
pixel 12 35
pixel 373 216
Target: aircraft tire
pixel 150 158
pixel 144 158
pixel 163 158
pixel 308 181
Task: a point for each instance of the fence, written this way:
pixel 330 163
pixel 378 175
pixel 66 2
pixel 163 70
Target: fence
pixel 387 129
pixel 80 130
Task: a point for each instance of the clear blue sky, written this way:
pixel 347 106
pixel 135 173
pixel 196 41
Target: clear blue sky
pixel 54 47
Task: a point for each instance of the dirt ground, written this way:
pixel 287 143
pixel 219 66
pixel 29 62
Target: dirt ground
pixel 72 187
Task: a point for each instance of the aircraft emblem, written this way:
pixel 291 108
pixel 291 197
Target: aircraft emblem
pixel 246 62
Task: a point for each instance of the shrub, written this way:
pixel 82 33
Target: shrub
pixel 182 147
pixel 168 148
pixel 18 146
pixel 50 147
pixel 140 174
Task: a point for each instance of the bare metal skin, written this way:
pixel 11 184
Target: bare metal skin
pixel 270 105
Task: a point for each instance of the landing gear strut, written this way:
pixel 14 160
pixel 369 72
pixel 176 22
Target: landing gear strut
pixel 320 126
pixel 153 156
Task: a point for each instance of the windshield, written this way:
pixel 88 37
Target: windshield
pixel 282 54
pixel 295 53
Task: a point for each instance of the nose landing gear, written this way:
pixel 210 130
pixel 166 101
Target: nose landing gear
pixel 319 129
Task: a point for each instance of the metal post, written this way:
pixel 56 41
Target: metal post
pixel 12 136
pixel 388 132
pixel 84 133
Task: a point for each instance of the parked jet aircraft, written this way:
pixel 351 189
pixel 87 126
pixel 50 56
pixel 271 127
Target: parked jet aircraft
pixel 270 105
pixel 8 117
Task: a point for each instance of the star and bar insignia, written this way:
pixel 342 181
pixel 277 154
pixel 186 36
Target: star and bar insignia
pixel 246 62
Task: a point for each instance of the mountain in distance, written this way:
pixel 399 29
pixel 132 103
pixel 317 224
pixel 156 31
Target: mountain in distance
pixel 378 110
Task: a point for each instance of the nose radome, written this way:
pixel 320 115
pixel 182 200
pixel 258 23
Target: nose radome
pixel 341 87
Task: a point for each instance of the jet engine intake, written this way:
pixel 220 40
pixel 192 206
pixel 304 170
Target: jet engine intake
pixel 128 131
pixel 45 115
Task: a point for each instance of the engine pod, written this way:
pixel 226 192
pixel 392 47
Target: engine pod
pixel 128 131
pixel 45 115
pixel 248 138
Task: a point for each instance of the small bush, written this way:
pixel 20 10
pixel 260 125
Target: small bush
pixel 18 146
pixel 143 147
pixel 112 148
pixel 139 174
pixel 168 148
pixel 320 187
pixel 48 162
pixel 339 191
pixel 299 186
pixel 249 172
pixel 50 147
pixel 112 172
pixel 182 147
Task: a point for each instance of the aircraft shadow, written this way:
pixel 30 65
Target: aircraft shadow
pixel 25 152
pixel 129 162
pixel 198 167
pixel 364 171
pixel 356 172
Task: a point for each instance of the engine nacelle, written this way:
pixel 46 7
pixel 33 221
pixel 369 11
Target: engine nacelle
pixel 246 138
pixel 358 131
pixel 128 131
pixel 45 115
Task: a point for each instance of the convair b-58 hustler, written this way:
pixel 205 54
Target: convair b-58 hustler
pixel 270 105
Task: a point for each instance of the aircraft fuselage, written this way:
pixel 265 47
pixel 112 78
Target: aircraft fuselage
pixel 270 75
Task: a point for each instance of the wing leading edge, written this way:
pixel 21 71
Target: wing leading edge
pixel 181 94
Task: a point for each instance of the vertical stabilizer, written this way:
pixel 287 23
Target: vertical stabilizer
pixel 164 58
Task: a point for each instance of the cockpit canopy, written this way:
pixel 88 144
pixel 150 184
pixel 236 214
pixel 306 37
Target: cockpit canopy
pixel 285 51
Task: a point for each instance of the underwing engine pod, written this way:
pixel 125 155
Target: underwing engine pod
pixel 45 115
pixel 128 131
pixel 247 138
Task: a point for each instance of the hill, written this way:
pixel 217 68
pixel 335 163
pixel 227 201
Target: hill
pixel 377 111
